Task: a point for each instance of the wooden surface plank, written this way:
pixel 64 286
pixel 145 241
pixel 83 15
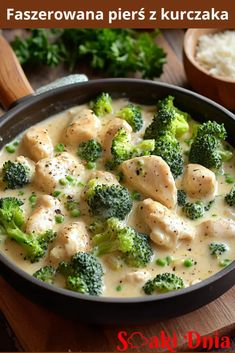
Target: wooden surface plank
pixel 175 38
pixel 37 329
pixel 173 70
pixel 8 341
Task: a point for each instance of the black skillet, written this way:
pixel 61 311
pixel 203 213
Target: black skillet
pixel 31 109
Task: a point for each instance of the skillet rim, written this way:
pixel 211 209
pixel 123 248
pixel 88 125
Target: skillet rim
pixel 32 100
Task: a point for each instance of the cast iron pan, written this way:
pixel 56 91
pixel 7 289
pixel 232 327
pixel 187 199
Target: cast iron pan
pixel 28 111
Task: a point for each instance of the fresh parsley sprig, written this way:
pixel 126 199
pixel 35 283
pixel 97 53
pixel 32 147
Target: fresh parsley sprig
pixel 120 52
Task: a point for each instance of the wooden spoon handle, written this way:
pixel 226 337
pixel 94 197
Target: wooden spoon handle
pixel 13 82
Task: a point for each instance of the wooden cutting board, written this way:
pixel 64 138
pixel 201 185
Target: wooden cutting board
pixel 37 329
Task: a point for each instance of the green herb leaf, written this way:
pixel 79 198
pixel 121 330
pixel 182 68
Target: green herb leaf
pixel 119 52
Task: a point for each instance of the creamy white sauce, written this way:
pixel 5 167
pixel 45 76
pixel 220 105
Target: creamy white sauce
pixel 197 249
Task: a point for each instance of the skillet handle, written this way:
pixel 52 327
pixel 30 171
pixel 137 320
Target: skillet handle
pixel 13 82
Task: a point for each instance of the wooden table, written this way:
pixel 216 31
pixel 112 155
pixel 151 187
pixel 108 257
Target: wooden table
pixel 33 328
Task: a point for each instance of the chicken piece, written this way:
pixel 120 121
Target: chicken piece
pixel 199 182
pixel 50 170
pixel 220 227
pixel 72 238
pixel 104 177
pixel 84 127
pixel 151 176
pixel 137 277
pixel 165 225
pixel 111 129
pixel 29 164
pixel 43 216
pixel 37 143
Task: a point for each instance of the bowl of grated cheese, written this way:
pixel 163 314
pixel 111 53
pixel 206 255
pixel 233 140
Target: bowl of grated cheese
pixel 209 62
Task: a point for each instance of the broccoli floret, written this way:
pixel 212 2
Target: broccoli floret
pixel 132 114
pixel 15 175
pixel 134 246
pixel 141 252
pixel 108 201
pixel 83 274
pixel 64 268
pixel 212 128
pixel 204 150
pixel 34 245
pixel 169 149
pixel 218 249
pixel 167 120
pixel 208 151
pixel 164 282
pixel 168 124
pixel 160 125
pixel 181 197
pixel 46 274
pixel 122 148
pixel 194 210
pixel 116 237
pixel 12 220
pixel 89 150
pixel 10 211
pixel 207 148
pixel 230 197
pixel 143 148
pixel 102 105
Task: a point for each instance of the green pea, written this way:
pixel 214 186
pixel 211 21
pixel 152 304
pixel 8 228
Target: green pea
pixel 33 199
pixel 10 149
pixel 229 179
pixel 70 179
pixel 75 213
pixel 161 262
pixel 59 218
pixel 63 182
pixel 90 165
pixel 188 262
pixel 169 260
pixel 56 193
pixel 119 288
pixel 59 147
